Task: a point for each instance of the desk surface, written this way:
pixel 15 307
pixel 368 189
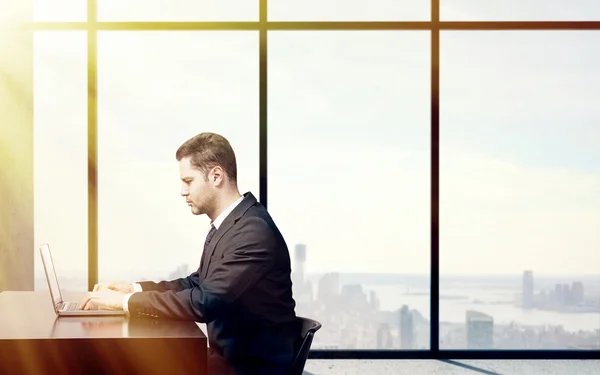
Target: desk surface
pixel 34 340
pixel 30 315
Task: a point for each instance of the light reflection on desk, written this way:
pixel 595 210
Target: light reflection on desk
pixel 122 327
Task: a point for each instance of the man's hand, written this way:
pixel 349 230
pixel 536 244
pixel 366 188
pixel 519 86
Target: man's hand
pixel 117 287
pixel 105 300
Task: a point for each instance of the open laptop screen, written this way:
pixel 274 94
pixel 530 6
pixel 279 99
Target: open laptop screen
pixel 50 274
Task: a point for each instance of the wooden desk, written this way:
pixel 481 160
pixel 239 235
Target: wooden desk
pixel 34 340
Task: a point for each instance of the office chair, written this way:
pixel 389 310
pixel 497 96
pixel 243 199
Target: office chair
pixel 309 327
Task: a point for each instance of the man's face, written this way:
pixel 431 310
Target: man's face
pixel 198 190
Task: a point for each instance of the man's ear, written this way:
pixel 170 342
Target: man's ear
pixel 217 174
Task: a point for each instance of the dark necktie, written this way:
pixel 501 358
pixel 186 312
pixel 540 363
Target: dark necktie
pixel 209 237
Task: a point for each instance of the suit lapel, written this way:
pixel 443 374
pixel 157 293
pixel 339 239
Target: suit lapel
pixel 227 224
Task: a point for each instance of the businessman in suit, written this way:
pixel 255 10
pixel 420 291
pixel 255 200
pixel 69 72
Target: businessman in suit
pixel 242 289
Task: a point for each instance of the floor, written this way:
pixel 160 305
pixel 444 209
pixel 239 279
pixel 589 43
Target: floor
pixel 463 367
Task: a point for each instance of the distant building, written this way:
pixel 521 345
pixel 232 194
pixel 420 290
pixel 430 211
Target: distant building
pixel 407 328
pixel 329 288
pixel 528 298
pixel 577 294
pixel 299 260
pixel 373 300
pixel 566 295
pixel 480 330
pixel 301 288
pixel 353 297
pixel 384 337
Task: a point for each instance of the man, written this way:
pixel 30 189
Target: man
pixel 242 289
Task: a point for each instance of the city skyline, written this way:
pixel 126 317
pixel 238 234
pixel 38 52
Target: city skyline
pixel 510 312
pixel 496 317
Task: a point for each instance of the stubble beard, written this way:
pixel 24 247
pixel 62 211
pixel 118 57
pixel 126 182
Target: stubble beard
pixel 206 207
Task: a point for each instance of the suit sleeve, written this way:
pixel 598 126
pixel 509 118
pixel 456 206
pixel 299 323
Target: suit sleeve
pixel 250 255
pixel 175 285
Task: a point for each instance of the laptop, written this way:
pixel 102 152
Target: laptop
pixel 64 308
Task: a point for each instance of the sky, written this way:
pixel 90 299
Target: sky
pixel 348 132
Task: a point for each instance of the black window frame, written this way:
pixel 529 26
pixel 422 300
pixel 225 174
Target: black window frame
pixel 434 25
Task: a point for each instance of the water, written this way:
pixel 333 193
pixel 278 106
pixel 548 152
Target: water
pixel 393 297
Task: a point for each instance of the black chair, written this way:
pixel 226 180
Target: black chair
pixel 307 332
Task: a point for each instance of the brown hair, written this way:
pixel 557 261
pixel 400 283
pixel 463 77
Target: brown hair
pixel 208 150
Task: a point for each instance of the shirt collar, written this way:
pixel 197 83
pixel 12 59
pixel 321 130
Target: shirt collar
pixel 219 220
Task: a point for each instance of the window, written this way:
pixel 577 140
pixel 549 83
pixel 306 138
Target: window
pixel 155 91
pixel 352 10
pixel 60 10
pixel 517 175
pixel 519 184
pixel 519 10
pixel 349 135
pixel 60 156
pixel 177 10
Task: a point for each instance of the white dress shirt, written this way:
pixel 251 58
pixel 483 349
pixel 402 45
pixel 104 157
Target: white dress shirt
pixel 217 222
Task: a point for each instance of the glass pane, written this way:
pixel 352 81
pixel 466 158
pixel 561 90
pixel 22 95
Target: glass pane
pixel 349 10
pixel 349 178
pixel 519 190
pixel 519 10
pixel 60 10
pixel 178 10
pixel 60 156
pixel 155 91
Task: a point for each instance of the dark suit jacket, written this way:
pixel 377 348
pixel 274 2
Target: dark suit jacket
pixel 243 292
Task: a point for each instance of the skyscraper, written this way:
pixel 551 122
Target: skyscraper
pixel 577 294
pixel 566 295
pixel 558 295
pixel 300 287
pixel 373 300
pixel 407 329
pixel 384 337
pixel 480 330
pixel 528 301
pixel 299 260
pixel 329 288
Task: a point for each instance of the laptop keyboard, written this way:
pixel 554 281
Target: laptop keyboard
pixel 71 306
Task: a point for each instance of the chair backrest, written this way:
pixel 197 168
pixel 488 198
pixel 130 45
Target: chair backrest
pixel 307 332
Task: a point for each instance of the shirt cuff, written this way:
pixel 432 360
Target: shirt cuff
pixel 125 302
pixel 137 287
